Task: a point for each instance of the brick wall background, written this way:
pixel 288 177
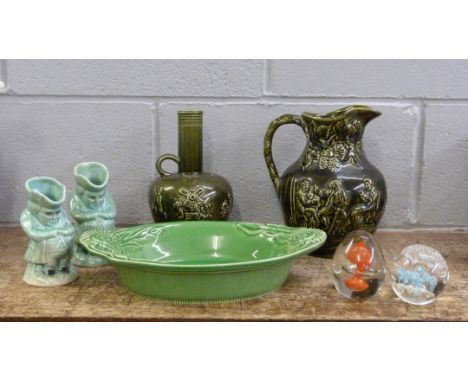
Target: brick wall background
pixel 57 113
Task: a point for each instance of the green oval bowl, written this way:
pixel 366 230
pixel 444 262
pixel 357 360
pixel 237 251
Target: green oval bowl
pixel 203 261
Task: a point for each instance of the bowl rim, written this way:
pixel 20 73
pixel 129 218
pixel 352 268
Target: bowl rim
pixel 227 266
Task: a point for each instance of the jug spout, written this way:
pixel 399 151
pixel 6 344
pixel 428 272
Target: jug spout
pixel 362 112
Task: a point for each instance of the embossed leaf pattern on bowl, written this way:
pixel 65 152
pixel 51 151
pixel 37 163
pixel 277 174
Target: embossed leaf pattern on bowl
pixel 292 239
pixel 118 244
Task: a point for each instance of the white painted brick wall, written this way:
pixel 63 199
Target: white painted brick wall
pixel 186 78
pixel 370 78
pixel 56 113
pixel 444 185
pixel 3 80
pixel 50 138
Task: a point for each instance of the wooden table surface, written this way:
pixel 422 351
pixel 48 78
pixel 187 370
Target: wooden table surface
pixel 308 294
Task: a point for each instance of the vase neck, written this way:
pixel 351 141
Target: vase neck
pixel 190 141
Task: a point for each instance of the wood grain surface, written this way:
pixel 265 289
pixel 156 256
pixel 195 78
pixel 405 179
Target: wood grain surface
pixel 308 294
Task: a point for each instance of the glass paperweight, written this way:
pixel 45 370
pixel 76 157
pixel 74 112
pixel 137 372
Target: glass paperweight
pixel 419 274
pixel 358 266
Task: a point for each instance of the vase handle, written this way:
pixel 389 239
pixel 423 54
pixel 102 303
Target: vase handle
pixel 267 144
pixel 161 159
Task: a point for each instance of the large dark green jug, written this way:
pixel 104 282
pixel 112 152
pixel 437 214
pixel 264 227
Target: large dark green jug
pixel 190 194
pixel 332 186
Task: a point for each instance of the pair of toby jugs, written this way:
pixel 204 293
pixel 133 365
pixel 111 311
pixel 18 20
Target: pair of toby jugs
pixel 53 249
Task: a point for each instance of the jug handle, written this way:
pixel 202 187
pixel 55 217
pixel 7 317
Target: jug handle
pixel 161 159
pixel 267 143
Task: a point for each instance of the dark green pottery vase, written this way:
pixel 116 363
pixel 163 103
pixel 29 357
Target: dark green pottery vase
pixel 332 186
pixel 190 194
